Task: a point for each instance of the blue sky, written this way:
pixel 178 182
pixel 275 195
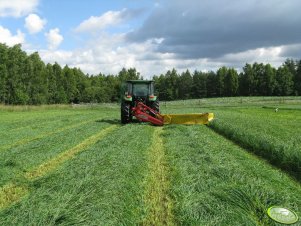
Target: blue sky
pixel 68 14
pixel 154 36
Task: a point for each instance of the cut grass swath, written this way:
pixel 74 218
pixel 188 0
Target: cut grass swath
pixel 101 186
pixel 33 124
pixel 274 136
pixel 27 140
pixel 26 157
pixel 55 162
pixel 215 182
pixel 44 123
pixel 156 198
pixel 11 193
pixel 211 180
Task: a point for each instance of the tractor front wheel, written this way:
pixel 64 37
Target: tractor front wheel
pixel 156 106
pixel 126 115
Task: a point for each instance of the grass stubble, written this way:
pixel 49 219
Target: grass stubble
pixel 157 201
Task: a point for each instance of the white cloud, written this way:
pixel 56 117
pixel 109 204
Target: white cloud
pixel 34 23
pixel 109 18
pixel 110 53
pixel 8 38
pixel 17 8
pixel 54 38
pixel 272 55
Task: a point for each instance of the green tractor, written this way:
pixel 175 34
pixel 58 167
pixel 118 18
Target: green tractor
pixel 134 92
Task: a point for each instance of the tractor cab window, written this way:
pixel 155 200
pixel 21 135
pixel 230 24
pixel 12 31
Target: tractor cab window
pixel 140 89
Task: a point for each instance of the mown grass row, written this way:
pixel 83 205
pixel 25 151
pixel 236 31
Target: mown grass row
pixel 16 139
pixel 13 192
pixel 291 101
pixel 30 121
pixel 19 157
pixel 24 108
pixel 188 174
pixel 272 135
pixel 215 182
pixel 101 186
pixel 156 198
pixel 55 162
pixel 15 119
pixel 34 126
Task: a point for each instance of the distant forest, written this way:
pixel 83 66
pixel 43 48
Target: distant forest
pixel 26 79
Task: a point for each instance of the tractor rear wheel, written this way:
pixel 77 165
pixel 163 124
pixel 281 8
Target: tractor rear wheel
pixel 155 105
pixel 126 116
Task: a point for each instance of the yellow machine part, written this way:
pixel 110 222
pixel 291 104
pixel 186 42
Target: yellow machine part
pixel 188 119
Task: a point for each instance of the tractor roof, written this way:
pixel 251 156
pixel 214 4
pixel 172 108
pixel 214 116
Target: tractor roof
pixel 139 81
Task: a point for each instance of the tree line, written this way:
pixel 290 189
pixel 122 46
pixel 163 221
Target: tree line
pixel 26 79
pixel 256 79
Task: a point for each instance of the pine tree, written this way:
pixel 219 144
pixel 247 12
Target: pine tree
pixel 221 74
pixel 247 81
pixel 199 85
pixel 285 82
pixel 297 79
pixel 231 82
pixel 185 85
pixel 3 81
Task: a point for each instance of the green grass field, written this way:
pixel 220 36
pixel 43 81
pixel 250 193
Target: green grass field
pixel 63 165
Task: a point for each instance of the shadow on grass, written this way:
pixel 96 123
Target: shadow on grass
pixel 118 122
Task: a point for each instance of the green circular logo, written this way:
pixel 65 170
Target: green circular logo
pixel 282 215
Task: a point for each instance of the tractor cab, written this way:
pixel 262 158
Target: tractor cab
pixel 139 90
pixel 134 91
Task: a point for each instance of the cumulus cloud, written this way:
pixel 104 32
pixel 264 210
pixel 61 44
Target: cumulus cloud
pixel 292 51
pixel 110 53
pixel 54 38
pixel 213 28
pixel 202 35
pixel 110 18
pixel 9 39
pixel 17 8
pixel 34 23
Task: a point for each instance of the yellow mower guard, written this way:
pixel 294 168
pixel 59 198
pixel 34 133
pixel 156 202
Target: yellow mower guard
pixel 188 119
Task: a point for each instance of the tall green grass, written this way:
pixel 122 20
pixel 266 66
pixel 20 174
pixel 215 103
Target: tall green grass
pixel 215 182
pixel 292 101
pixel 25 108
pixel 272 135
pixel 22 108
pixel 100 186
pixel 43 137
pixel 16 161
pixel 34 129
pixel 208 179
